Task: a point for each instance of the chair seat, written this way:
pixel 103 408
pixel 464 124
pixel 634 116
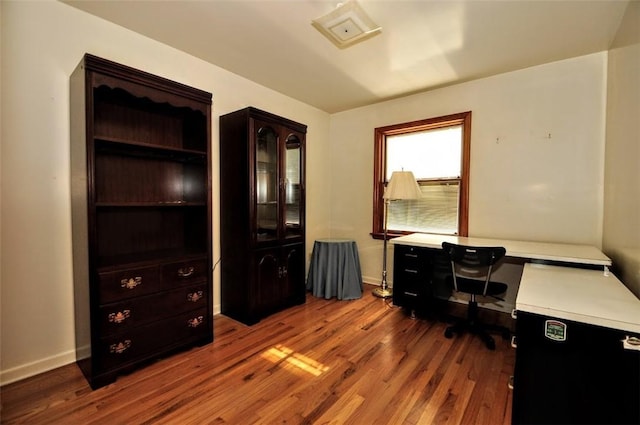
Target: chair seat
pixel 476 287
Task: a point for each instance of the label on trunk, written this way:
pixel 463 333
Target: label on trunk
pixel 554 330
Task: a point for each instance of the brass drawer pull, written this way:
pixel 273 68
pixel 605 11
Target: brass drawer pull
pixel 131 282
pixel 186 272
pixel 195 322
pixel 119 317
pixel 120 347
pixel 195 296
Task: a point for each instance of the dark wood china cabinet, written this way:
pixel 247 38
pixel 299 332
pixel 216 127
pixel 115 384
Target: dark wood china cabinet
pixel 262 201
pixel 141 208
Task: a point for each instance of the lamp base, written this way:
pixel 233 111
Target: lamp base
pixel 382 292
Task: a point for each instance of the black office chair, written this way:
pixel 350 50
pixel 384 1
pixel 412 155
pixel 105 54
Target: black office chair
pixel 471 269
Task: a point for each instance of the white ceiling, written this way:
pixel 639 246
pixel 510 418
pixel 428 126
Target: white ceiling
pixel 424 44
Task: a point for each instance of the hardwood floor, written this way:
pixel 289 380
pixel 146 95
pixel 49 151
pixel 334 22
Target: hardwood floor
pixel 325 362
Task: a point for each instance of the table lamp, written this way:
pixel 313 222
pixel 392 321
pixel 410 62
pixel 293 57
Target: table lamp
pixel 402 185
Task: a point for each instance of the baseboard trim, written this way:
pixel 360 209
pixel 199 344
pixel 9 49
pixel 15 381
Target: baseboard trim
pixel 28 370
pixel 34 368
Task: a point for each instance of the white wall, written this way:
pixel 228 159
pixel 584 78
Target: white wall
pixel 622 178
pixel 537 149
pixel 42 42
pixel 524 185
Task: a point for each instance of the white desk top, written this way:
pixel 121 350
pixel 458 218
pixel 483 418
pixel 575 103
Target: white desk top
pixel 586 296
pixel 580 254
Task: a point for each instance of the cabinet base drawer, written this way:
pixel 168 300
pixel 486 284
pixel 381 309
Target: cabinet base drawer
pixel 123 315
pixel 121 284
pixel 184 272
pixel 150 340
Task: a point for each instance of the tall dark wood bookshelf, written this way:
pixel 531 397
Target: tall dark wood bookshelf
pixel 141 217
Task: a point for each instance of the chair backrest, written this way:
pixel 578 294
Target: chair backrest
pixel 472 262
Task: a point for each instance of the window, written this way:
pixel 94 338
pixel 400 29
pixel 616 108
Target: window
pixel 437 151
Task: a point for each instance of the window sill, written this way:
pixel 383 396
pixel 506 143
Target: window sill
pixel 390 235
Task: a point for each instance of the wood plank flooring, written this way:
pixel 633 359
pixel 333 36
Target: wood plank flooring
pixel 325 362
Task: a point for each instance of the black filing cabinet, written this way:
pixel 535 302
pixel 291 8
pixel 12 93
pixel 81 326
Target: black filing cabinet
pixel 419 277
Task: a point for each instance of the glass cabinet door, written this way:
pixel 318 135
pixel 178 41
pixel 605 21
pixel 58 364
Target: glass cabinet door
pixel 266 183
pixel 292 187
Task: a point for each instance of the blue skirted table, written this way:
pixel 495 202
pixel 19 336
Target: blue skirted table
pixel 335 270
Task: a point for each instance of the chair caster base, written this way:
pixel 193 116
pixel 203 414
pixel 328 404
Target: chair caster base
pixel 490 343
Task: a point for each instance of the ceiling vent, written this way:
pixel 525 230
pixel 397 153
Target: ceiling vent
pixel 347 24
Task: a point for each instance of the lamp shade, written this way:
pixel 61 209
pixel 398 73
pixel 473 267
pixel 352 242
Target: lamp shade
pixel 402 185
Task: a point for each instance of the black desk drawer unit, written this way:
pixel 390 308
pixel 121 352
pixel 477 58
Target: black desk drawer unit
pixel 419 276
pixel 411 276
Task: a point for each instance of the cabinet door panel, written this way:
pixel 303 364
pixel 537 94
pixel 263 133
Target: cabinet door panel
pixel 267 182
pixel 268 273
pixel 293 280
pixel 293 187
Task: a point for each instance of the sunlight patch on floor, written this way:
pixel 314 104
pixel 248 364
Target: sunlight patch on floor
pixel 280 352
